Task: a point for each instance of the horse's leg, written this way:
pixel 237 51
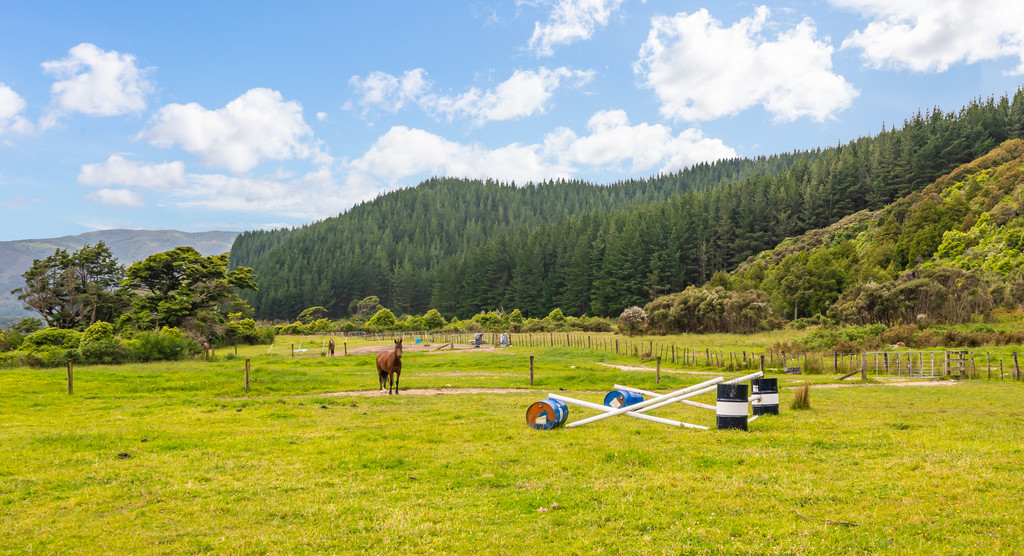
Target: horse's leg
pixel 398 375
pixel 391 382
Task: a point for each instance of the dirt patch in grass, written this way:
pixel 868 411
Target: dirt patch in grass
pixel 412 347
pixel 652 369
pixel 900 383
pixel 431 392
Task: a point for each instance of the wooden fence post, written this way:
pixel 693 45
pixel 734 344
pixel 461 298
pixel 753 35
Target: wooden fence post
pixel 246 375
pixel 293 351
pixel 531 370
pixel 762 363
pixel 1016 367
pixel 657 370
pixel 71 374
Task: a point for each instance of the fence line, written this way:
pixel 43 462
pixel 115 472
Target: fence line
pixel 900 363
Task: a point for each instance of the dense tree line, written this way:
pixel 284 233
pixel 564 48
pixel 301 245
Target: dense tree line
pixel 463 247
pixel 946 254
pixel 390 247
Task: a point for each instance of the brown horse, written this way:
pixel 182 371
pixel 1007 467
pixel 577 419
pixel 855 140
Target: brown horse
pixel 330 347
pixel 389 366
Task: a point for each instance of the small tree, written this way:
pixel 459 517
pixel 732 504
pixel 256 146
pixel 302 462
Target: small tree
pixel 433 320
pixel 556 316
pixel 312 314
pixel 366 306
pixel 633 319
pixel 383 319
pixel 516 317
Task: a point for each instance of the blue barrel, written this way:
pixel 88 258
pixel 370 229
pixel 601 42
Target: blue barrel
pixel 731 408
pixel 546 414
pixel 768 390
pixel 621 398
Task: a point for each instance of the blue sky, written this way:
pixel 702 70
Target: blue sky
pixel 244 115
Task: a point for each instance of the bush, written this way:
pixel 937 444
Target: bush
pixel 53 337
pixel 633 319
pixel 535 325
pixel 161 346
pixel 556 316
pixel 98 345
pixel 433 320
pixel 242 332
pixel 595 324
pixel 384 318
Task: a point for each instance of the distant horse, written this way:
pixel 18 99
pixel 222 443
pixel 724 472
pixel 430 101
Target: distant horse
pixel 389 366
pixel 330 347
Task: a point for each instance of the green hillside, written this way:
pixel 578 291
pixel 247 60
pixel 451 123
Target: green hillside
pixel 464 246
pixel 945 254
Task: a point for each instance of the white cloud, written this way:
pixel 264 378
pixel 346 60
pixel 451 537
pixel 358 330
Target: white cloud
pixel 322 116
pixel 404 153
pixel 570 21
pixel 613 140
pixel 524 94
pixel 11 106
pixel 256 126
pixel 314 195
pixel 701 70
pixel 119 171
pixel 97 82
pixel 931 35
pixel 116 197
pixel 385 91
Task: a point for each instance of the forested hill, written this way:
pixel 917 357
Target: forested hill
pixel 601 264
pixel 389 247
pixel 462 246
pixel 942 255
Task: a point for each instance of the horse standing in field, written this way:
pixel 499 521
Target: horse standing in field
pixel 389 367
pixel 330 347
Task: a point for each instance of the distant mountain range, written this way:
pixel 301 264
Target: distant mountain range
pixel 128 246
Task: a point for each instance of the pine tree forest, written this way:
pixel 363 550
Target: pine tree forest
pixel 464 246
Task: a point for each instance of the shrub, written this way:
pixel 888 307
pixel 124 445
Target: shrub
pixel 384 318
pixel 161 346
pixel 53 337
pixel 596 324
pixel 556 316
pixel 98 345
pixel 433 320
pixel 242 332
pixel 633 319
pixel 535 325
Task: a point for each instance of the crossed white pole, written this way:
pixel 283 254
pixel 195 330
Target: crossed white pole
pixel 638 410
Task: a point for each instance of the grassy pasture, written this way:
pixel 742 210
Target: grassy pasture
pixel 175 458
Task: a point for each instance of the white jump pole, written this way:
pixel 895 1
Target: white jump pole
pixel 690 392
pixel 714 382
pixel 634 407
pixel 649 393
pixel 600 407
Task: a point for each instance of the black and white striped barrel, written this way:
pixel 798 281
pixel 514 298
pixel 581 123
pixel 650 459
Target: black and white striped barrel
pixel 731 408
pixel 765 394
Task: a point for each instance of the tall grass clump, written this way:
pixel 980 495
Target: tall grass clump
pixel 801 397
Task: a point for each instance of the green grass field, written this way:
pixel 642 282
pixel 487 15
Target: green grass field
pixel 176 458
